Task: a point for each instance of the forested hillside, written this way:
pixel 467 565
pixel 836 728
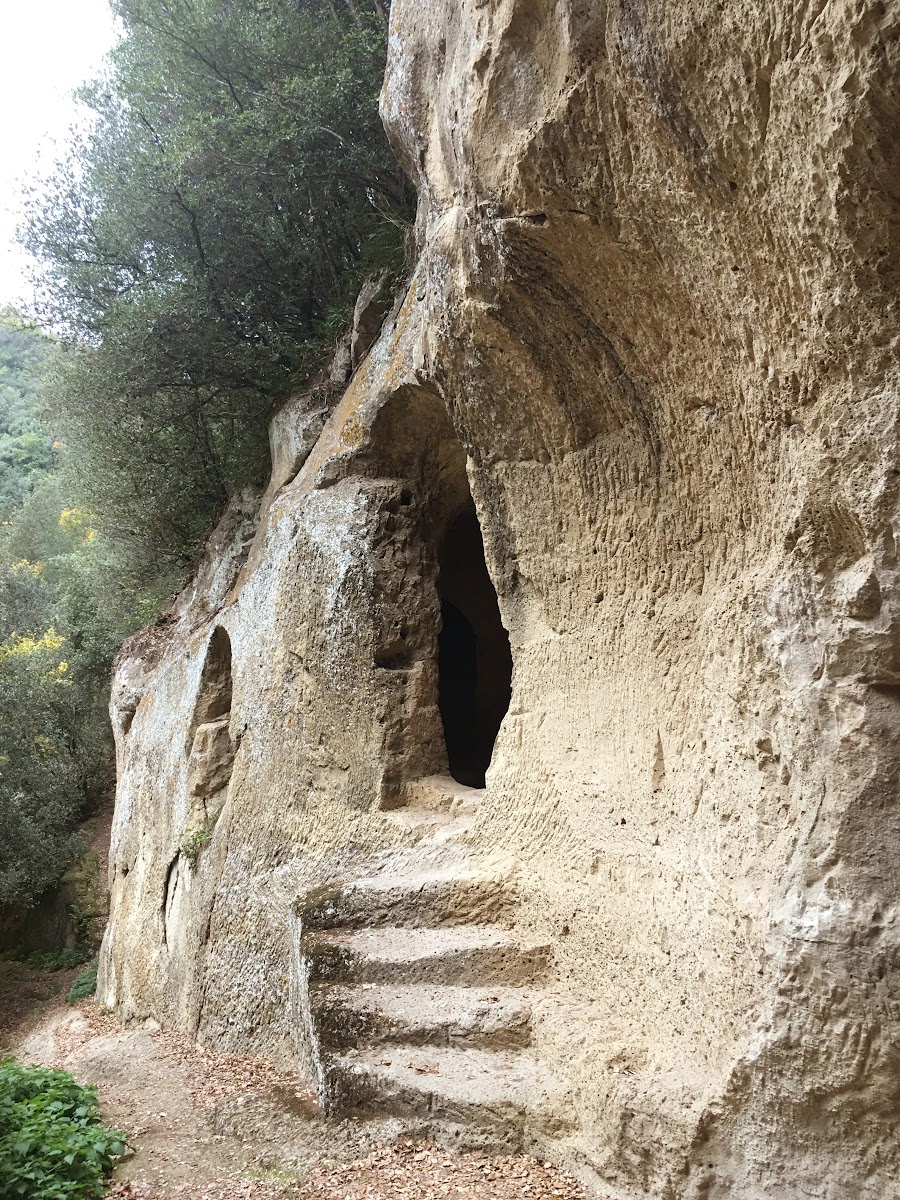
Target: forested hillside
pixel 38 788
pixel 60 624
pixel 26 452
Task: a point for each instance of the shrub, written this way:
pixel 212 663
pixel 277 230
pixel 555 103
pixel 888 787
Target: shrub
pixel 53 1145
pixel 192 842
pixel 84 986
pixel 193 839
pixel 58 960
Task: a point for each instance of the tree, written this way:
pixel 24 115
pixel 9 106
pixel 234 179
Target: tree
pixel 39 796
pixel 203 242
pixel 26 447
pixel 63 613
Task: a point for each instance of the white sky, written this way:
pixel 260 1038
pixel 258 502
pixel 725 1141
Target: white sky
pixel 47 48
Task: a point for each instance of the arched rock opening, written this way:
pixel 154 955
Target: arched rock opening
pixel 209 740
pixel 440 638
pixel 474 657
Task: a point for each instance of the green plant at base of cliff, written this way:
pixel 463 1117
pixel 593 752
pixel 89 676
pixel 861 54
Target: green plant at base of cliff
pixel 53 1145
pixel 58 960
pixel 47 960
pixel 84 986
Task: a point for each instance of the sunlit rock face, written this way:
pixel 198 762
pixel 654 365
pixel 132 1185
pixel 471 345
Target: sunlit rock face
pixel 649 335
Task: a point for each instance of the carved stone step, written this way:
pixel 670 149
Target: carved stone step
pixel 347 1017
pixel 496 1096
pixel 442 793
pixel 466 955
pixel 425 826
pixel 451 898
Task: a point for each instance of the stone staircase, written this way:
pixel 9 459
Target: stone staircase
pixel 421 1001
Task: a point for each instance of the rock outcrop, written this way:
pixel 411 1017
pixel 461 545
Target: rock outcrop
pixel 618 484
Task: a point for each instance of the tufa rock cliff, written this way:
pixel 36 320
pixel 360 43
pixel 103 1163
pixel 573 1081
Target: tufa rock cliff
pixel 526 763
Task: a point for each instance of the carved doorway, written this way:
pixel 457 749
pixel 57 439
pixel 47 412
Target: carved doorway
pixel 443 655
pixel 474 657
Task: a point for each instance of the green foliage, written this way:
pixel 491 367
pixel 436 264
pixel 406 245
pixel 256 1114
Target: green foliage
pixel 191 843
pixel 84 986
pixel 57 960
pixel 88 908
pixel 194 839
pixel 53 1145
pixel 232 193
pixel 26 447
pixel 39 787
pixel 63 614
pixel 60 625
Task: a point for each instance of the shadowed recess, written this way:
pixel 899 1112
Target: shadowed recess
pixel 474 658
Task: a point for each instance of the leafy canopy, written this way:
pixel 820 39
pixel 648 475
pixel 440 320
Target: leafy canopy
pixel 26 447
pixel 203 240
pixel 63 613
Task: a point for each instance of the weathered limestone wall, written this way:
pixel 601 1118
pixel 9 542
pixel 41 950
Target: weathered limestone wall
pixel 653 295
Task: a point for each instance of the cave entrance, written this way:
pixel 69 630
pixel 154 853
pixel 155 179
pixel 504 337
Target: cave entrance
pixel 443 656
pixel 474 657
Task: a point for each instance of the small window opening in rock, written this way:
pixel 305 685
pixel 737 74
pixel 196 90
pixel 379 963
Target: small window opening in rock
pixel 209 743
pixel 214 696
pixel 474 657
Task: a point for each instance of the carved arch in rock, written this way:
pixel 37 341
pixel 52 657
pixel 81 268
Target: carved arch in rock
pixel 439 629
pixel 474 656
pixel 210 744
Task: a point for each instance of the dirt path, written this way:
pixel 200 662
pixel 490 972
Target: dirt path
pixel 219 1127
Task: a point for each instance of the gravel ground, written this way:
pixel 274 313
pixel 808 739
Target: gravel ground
pixel 27 996
pixel 206 1126
pixel 403 1171
pixel 414 1171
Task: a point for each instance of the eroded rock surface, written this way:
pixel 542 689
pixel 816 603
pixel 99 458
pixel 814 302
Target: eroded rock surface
pixel 650 338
